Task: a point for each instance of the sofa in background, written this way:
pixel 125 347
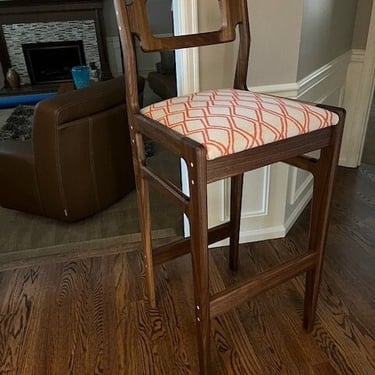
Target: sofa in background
pixel 79 160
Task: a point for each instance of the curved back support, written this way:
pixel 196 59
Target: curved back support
pixel 139 25
pixel 133 22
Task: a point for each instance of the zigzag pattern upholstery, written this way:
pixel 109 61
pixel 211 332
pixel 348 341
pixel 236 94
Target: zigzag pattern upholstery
pixel 228 121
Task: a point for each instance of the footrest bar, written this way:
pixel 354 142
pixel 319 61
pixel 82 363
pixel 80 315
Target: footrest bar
pixel 231 297
pixel 178 248
pixel 303 162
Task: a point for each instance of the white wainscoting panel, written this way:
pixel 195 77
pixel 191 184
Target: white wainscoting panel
pixel 298 183
pixel 264 191
pixel 255 201
pixel 326 85
pixel 273 201
pixel 256 185
pixel 351 131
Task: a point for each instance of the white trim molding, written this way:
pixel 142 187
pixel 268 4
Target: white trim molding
pixel 358 98
pixel 298 189
pixel 326 80
pixel 352 134
pixel 317 86
pixel 185 21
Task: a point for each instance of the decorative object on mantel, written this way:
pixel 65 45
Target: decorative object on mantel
pixel 81 76
pixel 18 126
pixel 13 78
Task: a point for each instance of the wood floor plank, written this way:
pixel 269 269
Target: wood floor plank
pixel 90 315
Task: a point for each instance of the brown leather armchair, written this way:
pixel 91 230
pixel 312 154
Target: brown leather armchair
pixel 79 160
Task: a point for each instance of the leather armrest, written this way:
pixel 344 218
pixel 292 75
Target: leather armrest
pixel 76 104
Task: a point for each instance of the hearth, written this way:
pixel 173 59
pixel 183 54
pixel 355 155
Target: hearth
pixel 51 62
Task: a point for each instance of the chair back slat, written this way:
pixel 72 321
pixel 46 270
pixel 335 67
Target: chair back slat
pixel 140 26
pixel 133 21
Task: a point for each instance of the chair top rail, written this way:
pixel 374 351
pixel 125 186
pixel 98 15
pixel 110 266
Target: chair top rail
pixel 231 13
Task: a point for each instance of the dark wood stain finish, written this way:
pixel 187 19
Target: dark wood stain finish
pixel 90 316
pixel 134 24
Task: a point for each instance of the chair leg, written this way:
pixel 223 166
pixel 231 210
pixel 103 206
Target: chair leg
pixel 199 252
pixel 143 197
pixel 235 219
pixel 321 203
pixel 145 224
pixel 201 295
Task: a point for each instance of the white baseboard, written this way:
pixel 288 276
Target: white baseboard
pixel 254 235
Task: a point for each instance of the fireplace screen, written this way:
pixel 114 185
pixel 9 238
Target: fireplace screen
pixel 51 62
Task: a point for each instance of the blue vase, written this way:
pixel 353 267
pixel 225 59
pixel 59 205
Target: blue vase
pixel 81 76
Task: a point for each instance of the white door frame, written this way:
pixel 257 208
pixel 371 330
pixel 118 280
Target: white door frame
pixel 364 97
pixel 185 21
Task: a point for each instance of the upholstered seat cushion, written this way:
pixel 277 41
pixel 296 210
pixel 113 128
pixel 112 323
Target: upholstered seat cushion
pixel 228 121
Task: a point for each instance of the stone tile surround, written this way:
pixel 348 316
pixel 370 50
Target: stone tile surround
pixel 57 31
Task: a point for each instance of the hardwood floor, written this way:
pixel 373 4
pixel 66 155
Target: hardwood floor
pixel 89 316
pixel 26 238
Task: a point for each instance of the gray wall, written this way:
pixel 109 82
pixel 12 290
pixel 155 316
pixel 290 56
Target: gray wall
pixel 290 39
pixel 217 63
pixel 362 22
pixel 110 23
pixel 160 17
pixel 327 32
pixel 275 28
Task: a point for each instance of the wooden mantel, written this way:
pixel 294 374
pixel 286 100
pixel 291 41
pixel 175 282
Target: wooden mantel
pixel 28 11
pixel 42 6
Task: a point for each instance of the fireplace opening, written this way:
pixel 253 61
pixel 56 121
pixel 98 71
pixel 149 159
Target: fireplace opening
pixel 51 62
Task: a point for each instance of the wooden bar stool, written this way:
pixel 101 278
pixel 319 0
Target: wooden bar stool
pixel 221 134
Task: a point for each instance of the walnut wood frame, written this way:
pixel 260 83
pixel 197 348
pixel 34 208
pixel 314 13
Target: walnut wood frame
pixel 133 22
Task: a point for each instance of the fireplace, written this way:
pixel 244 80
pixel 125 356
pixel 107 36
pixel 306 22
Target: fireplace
pixel 51 62
pixel 43 21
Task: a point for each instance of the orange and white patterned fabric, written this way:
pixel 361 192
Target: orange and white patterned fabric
pixel 228 121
